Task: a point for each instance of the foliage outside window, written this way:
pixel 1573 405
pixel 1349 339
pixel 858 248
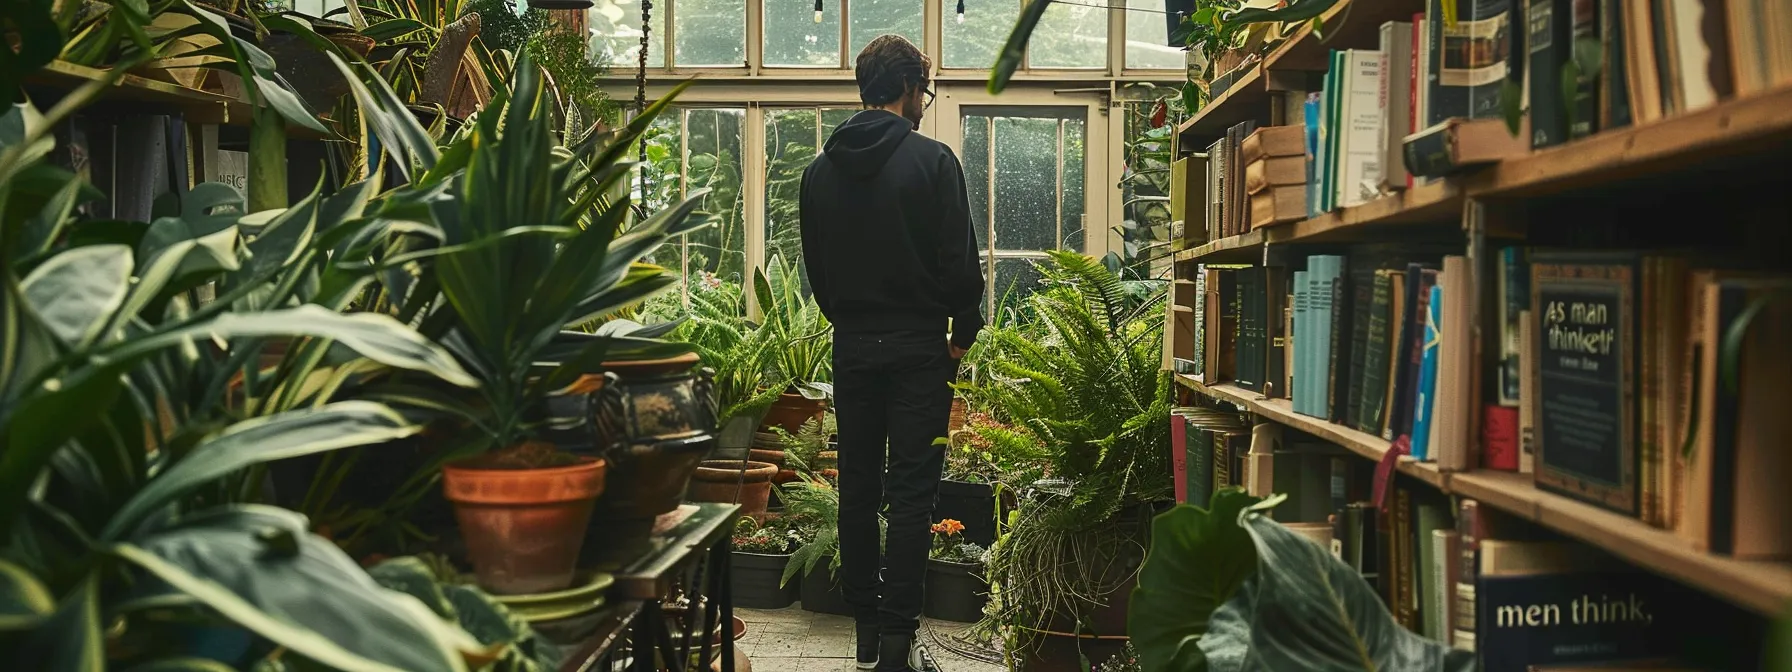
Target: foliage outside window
pixel 1147 38
pixel 1077 37
pixel 709 33
pixel 975 41
pixel 615 27
pixel 692 149
pixel 1145 186
pixel 793 137
pixel 794 39
pixel 1032 168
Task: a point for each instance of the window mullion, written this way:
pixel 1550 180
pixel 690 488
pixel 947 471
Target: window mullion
pixel 755 35
pixel 845 40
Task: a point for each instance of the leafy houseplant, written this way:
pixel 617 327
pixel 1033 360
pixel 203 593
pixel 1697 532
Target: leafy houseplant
pixel 806 356
pixel 761 553
pixel 1267 599
pixel 125 508
pixel 955 589
pixel 529 246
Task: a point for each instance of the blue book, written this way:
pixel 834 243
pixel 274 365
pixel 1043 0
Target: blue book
pixel 1297 395
pixel 1319 331
pixel 1421 411
pixel 1309 344
pixel 1311 110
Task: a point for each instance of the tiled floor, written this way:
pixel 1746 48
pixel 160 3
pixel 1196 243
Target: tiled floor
pixel 793 640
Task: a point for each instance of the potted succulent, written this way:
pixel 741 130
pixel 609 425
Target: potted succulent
pixel 761 552
pixel 515 268
pixel 955 588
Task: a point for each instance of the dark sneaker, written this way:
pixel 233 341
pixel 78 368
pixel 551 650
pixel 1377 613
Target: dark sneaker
pixel 902 653
pixel 867 646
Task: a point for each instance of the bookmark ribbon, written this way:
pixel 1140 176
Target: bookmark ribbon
pixel 1384 470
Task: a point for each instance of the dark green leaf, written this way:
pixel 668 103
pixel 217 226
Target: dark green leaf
pixel 1198 558
pixel 265 439
pixel 1015 49
pixel 76 291
pixel 1511 106
pixel 24 601
pixel 71 639
pixel 390 29
pixel 315 601
pixel 182 665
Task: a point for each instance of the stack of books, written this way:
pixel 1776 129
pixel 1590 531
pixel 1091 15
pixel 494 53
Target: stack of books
pixel 1275 174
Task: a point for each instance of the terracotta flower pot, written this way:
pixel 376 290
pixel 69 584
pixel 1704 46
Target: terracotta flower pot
pixel 726 481
pixel 523 527
pixel 791 410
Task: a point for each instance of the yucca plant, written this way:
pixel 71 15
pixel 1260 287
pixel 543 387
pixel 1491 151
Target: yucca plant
pixel 793 318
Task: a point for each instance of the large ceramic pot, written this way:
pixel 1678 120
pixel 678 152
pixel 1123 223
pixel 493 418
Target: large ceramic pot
pixel 523 527
pixel 755 578
pixel 955 591
pixel 730 481
pixel 652 401
pixel 791 410
pixel 646 480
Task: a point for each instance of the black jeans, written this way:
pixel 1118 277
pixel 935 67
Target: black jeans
pixel 894 390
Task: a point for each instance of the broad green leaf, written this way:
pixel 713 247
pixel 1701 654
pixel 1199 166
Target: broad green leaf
pixel 287 103
pixel 24 601
pixel 71 639
pixel 45 227
pixel 397 130
pixel 393 28
pixel 1307 610
pixel 267 160
pixel 259 568
pixel 1198 558
pixel 181 665
pixel 76 291
pixel 1015 49
pixel 265 439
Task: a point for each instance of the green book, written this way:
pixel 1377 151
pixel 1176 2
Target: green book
pixel 1372 401
pixel 1432 516
pixel 1334 103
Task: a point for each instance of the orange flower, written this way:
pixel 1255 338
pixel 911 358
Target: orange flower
pixel 948 527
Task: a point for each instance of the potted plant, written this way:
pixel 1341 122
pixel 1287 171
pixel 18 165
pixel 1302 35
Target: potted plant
pixel 761 552
pixel 746 483
pixel 955 588
pixel 1092 400
pixel 515 268
pixel 813 505
pixel 805 358
pixel 980 461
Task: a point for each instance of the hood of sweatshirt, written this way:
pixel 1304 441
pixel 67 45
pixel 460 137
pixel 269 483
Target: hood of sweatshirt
pixel 861 146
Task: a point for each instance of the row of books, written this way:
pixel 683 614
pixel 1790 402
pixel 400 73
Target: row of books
pixel 1455 572
pixel 1639 382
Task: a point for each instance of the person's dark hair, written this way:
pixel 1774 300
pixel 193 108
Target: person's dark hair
pixel 888 68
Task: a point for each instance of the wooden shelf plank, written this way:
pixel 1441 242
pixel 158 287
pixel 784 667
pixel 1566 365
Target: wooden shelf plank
pixel 1243 248
pixel 1347 25
pixel 1765 587
pixel 198 106
pixel 1760 124
pixel 1438 202
pixel 1248 98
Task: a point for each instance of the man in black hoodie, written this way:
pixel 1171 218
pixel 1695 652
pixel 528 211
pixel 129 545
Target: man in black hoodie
pixel 893 263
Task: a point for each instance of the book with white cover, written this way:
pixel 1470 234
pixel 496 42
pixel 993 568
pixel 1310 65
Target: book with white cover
pixel 1360 146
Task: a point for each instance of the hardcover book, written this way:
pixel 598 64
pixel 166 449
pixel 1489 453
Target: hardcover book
pixel 1424 403
pixel 1540 603
pixel 1372 394
pixel 1586 432
pixel 1549 44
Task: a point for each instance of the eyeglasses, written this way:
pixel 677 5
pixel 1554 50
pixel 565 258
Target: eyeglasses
pixel 929 92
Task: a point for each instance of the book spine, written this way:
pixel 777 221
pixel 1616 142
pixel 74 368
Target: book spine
pixel 1179 456
pixel 1361 173
pixel 1586 103
pixel 1499 438
pixel 1468 521
pixel 1275 313
pixel 1201 476
pixel 1514 297
pixel 1371 396
pixel 1418 328
pixel 1420 90
pixel 1448 86
pixel 1222 461
pixel 1362 291
pixel 1241 365
pixel 1452 406
pixel 1396 77
pixel 1548 45
pixel 1527 393
pixel 1424 402
pixel 1310 110
pixel 1403 560
pixel 1614 94
pixel 1300 345
pixel 1337 356
pixel 1443 600
pixel 1650 439
pixel 1429 155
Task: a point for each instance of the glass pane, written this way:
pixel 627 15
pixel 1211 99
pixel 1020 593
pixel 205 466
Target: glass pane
pixel 616 34
pixel 1026 184
pixel 1015 279
pixel 711 32
pixel 1071 212
pixel 976 174
pixel 1148 38
pixel 789 148
pixel 1070 36
pixel 793 38
pixel 975 41
pixel 871 18
pixel 831 118
pixel 658 182
pixel 712 158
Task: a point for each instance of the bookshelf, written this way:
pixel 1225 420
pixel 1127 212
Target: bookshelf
pixel 1245 99
pixel 1763 587
pixel 1747 136
pixel 196 106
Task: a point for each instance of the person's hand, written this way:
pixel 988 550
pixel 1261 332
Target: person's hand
pixel 957 352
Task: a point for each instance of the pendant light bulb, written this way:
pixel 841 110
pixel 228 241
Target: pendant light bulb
pixel 818 11
pixel 961 11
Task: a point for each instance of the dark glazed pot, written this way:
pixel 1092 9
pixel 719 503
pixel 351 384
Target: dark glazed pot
pixel 646 480
pixel 821 592
pixel 655 400
pixel 756 578
pixel 973 504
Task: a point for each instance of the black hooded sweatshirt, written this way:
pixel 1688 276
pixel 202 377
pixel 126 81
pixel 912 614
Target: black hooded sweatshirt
pixel 887 234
